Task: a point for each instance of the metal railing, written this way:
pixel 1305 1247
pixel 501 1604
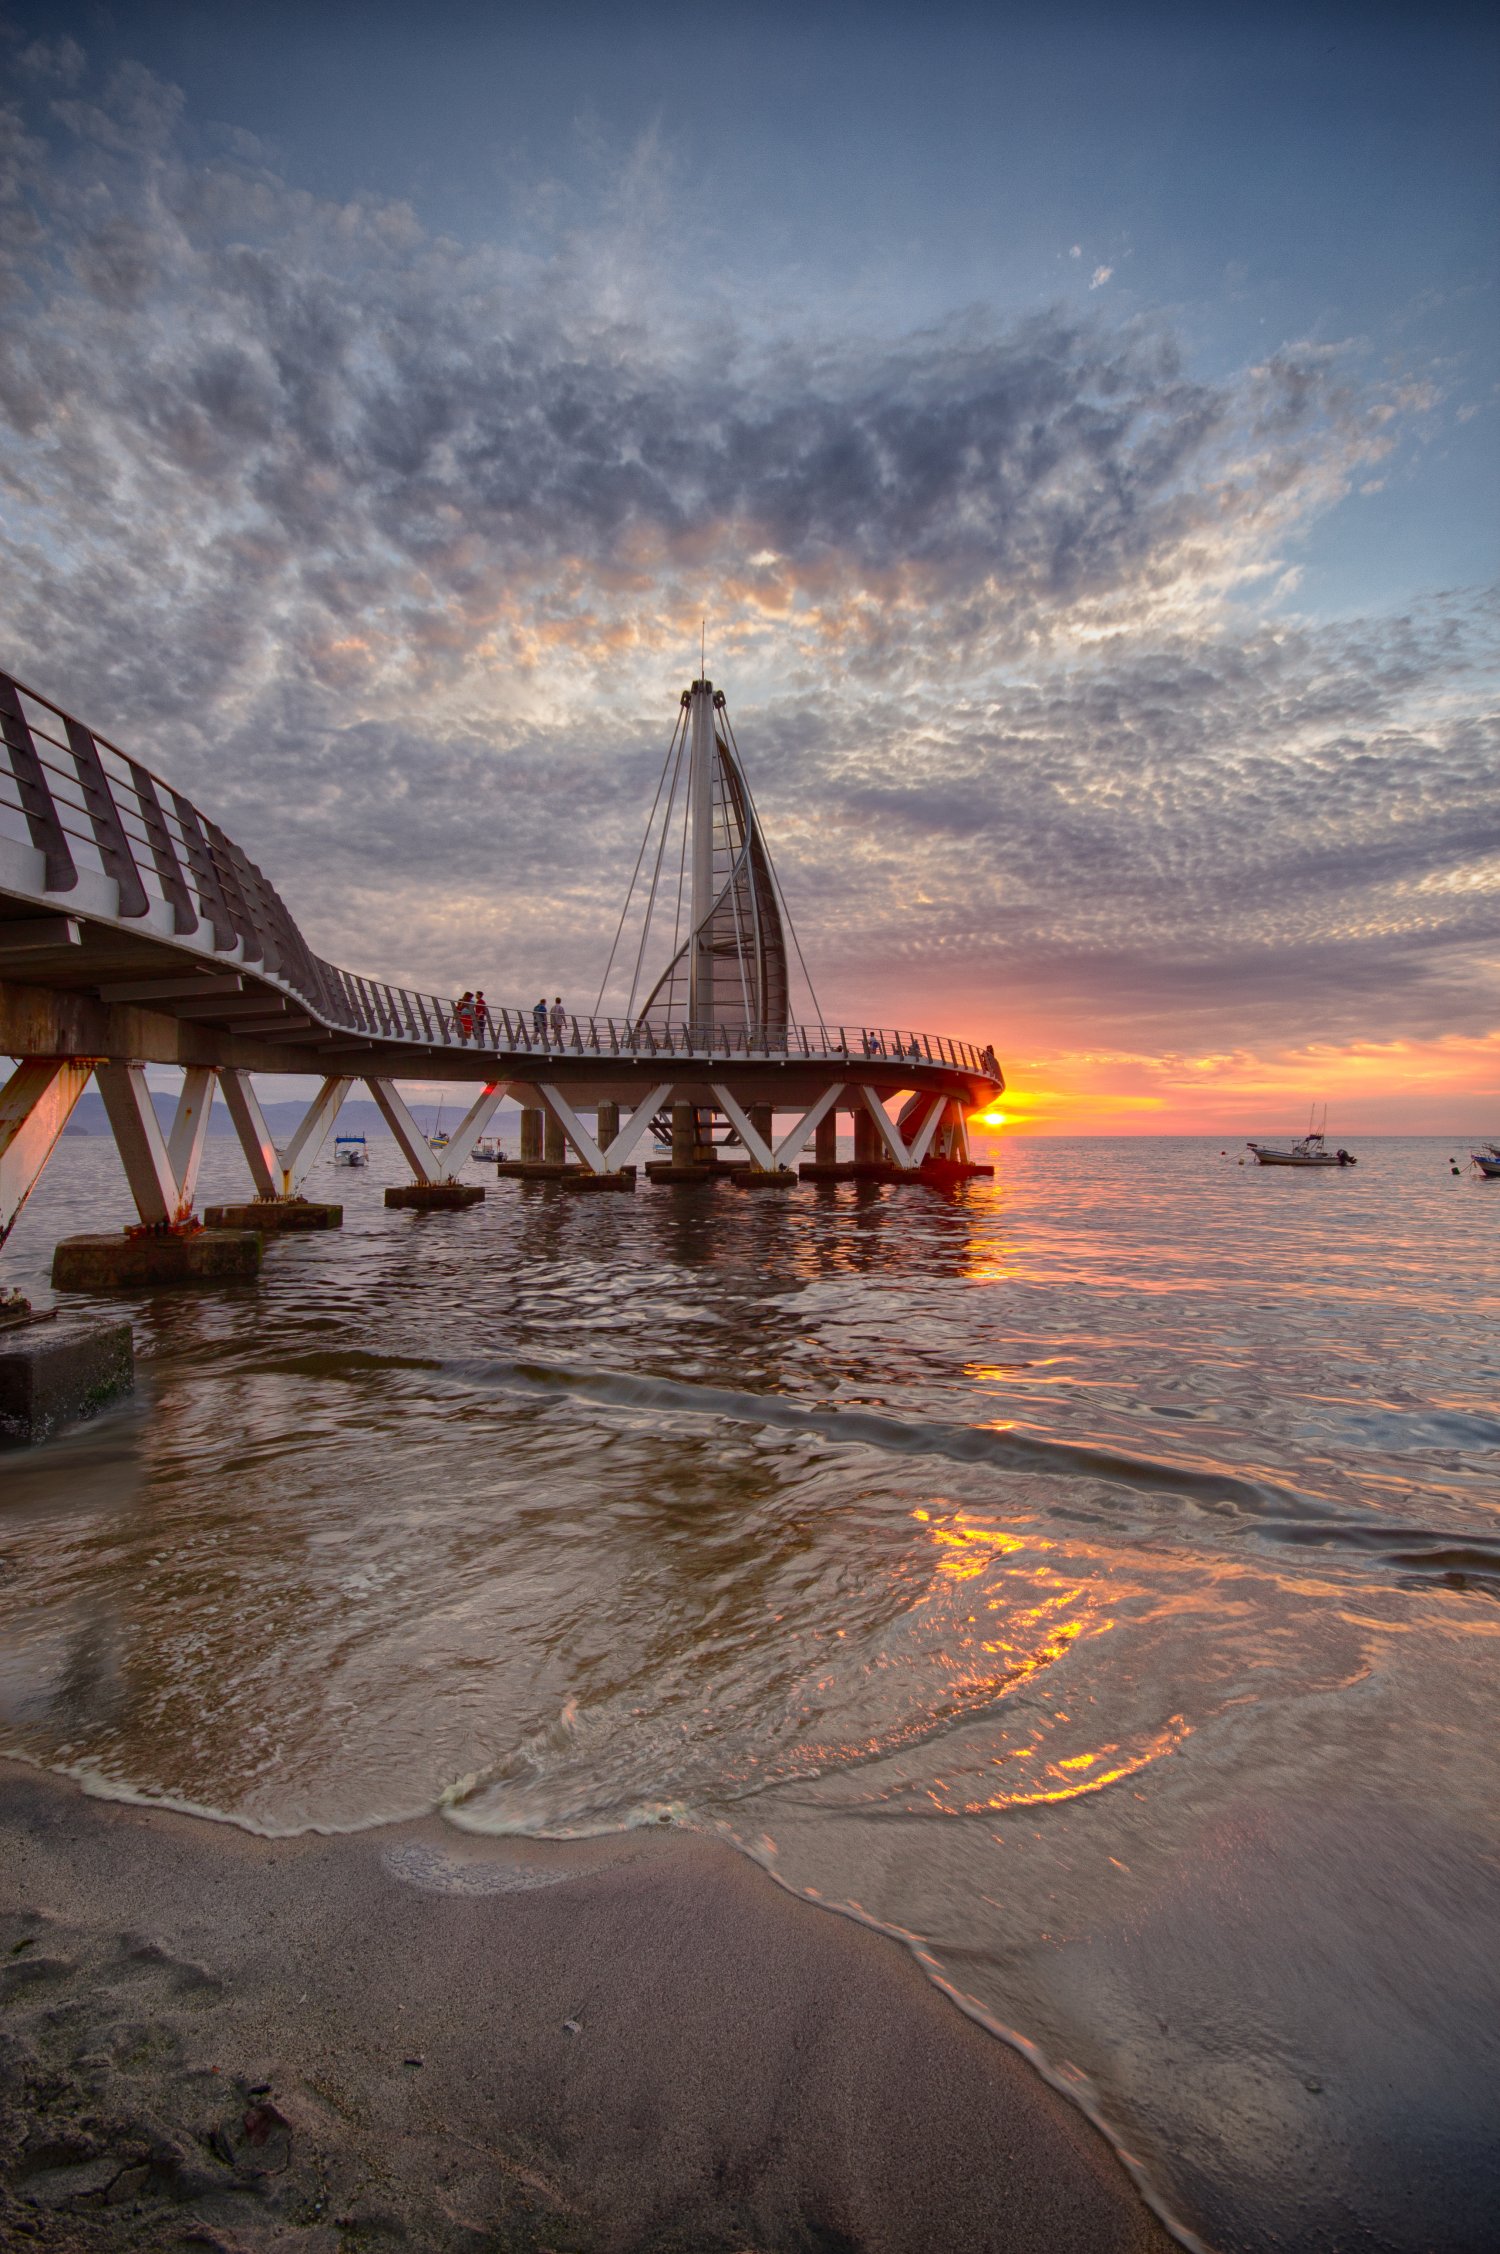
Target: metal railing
pixel 86 805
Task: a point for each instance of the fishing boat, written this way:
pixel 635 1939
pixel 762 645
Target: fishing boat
pixel 488 1151
pixel 350 1150
pixel 1308 1150
pixel 1487 1160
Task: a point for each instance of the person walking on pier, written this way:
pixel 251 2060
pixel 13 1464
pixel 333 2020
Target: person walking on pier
pixel 481 1017
pixel 463 1013
pixel 559 1023
pixel 539 1019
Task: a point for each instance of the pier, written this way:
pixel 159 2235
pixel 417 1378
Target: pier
pixel 134 932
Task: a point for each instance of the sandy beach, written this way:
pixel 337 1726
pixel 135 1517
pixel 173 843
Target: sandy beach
pixel 407 2037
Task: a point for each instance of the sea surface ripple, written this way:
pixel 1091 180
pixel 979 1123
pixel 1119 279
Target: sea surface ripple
pixel 1091 1577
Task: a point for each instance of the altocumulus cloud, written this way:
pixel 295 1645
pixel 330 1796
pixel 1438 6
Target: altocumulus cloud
pixel 389 547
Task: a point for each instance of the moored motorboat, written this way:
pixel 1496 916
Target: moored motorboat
pixel 1308 1150
pixel 350 1150
pixel 1487 1159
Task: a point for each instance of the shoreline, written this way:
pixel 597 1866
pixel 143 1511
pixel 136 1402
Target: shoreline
pixel 414 2036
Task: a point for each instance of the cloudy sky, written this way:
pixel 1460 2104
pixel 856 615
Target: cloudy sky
pixel 1080 436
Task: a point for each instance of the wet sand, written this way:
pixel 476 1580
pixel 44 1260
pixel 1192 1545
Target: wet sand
pixel 411 2038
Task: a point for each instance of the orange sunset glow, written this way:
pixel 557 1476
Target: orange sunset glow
pixel 1445 1086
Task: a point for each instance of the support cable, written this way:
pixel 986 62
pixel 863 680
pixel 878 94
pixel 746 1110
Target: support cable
pixel 635 872
pixel 775 879
pixel 680 739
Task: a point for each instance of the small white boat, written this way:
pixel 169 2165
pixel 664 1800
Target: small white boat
pixel 350 1150
pixel 1488 1161
pixel 1308 1150
pixel 488 1151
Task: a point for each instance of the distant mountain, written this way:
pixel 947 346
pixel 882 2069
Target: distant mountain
pixel 360 1116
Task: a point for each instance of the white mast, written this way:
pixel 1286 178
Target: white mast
pixel 701 808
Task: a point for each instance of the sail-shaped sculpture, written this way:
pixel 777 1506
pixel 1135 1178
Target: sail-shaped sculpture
pixel 726 972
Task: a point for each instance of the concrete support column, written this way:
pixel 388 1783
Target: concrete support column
pixel 413 1144
pixel 684 1134
pixel 140 1142
pixel 868 1149
pixel 255 1138
pixel 317 1125
pixel 190 1131
pixel 760 1116
pixel 531 1136
pixel 607 1125
pixel 555 1143
pixel 36 1104
pixel 826 1140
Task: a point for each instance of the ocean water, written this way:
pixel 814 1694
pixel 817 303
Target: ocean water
pixel 1092 1577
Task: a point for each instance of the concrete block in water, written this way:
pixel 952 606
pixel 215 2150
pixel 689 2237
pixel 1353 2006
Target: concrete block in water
pixel 274 1215
pixel 435 1197
pixel 762 1177
pixel 133 1263
pixel 623 1178
pixel 55 1373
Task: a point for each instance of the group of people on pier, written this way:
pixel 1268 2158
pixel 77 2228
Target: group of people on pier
pixel 472 1020
pixel 471 1014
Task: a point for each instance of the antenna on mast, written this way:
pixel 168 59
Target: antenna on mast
pixel 702 648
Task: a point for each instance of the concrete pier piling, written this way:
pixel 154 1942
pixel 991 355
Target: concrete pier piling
pixel 945 1172
pixel 435 1197
pixel 691 1160
pixel 56 1370
pixel 274 1216
pixel 531 1135
pixel 825 1165
pixel 144 1259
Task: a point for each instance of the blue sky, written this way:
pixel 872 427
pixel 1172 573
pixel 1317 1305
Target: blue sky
pixel 1082 429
